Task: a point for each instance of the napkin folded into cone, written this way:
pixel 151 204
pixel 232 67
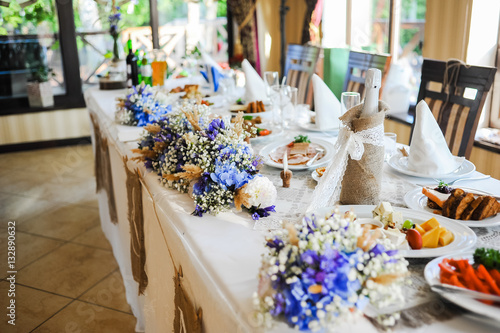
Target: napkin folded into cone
pixel 255 87
pixel 429 152
pixel 326 105
pixel 209 61
pixel 212 76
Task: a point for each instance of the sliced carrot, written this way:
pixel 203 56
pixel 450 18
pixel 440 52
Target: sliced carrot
pixel 446 270
pixel 495 275
pixel 488 280
pixel 479 285
pixel 454 281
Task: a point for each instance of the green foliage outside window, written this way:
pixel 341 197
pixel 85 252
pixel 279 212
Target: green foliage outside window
pixel 25 20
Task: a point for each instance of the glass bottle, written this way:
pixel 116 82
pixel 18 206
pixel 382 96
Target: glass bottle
pixel 132 75
pixel 147 72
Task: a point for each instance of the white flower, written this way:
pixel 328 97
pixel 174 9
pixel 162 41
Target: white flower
pixel 262 192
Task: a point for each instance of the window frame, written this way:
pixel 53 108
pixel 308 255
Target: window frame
pixel 71 71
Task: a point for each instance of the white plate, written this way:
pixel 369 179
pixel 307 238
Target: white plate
pixel 315 176
pixel 464 237
pixel 275 133
pixel 400 164
pixel 327 146
pixel 414 199
pixel 308 126
pixel 431 274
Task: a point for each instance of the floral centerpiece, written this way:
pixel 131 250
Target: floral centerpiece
pixel 325 269
pixel 143 105
pixel 191 147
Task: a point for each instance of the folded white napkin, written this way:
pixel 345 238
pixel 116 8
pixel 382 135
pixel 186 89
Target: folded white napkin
pixel 255 86
pixel 326 105
pixel 429 152
pixel 208 60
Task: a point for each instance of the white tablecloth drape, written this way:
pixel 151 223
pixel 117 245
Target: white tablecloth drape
pixel 220 256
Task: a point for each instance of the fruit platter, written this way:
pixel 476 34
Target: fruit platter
pixel 400 226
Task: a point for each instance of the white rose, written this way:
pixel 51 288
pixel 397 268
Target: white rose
pixel 261 191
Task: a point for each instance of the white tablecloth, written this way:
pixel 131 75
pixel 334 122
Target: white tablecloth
pixel 220 256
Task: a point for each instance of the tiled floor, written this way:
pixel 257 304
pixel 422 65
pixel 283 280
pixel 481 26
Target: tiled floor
pixel 67 278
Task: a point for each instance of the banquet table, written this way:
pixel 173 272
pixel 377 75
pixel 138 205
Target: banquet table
pixel 220 255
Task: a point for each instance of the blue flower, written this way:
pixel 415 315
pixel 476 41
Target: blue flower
pixel 258 212
pixel 214 128
pixel 227 175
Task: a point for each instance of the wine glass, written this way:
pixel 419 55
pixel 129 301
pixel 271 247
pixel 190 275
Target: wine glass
pixel 270 79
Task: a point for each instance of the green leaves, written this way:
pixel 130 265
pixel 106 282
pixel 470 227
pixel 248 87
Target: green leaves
pixel 301 138
pixel 490 258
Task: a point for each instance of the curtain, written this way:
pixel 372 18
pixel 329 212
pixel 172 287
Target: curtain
pixel 243 11
pixel 310 5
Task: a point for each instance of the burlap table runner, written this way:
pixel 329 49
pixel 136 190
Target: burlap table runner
pixel 102 168
pixel 362 179
pixel 136 221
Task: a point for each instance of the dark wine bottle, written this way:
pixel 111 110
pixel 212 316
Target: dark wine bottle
pixel 132 72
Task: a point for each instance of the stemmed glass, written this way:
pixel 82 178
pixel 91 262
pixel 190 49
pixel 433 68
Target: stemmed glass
pixel 284 101
pixel 270 79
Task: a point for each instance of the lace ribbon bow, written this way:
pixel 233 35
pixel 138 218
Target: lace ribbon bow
pixel 349 143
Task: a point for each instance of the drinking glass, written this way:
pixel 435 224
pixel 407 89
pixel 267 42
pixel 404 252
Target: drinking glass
pixel 348 100
pixel 284 100
pixel 270 79
pixel 159 66
pixel 389 145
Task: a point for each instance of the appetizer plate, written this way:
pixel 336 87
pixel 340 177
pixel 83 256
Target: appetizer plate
pixel 315 176
pixel 464 237
pixel 275 133
pixel 431 274
pixel 270 148
pixel 400 163
pixel 234 109
pixel 416 200
pixel 308 126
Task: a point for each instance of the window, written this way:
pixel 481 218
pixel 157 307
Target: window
pixel 394 27
pixel 72 38
pixel 36 34
pixel 29 42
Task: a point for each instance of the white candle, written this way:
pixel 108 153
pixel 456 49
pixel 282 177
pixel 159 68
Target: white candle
pixel 373 82
pixel 285 161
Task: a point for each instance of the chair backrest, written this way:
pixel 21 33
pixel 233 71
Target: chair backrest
pixel 299 67
pixel 359 63
pixel 458 112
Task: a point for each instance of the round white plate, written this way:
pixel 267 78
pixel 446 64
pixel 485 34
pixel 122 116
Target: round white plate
pixel 414 199
pixel 431 274
pixel 464 237
pixel 400 164
pixel 275 133
pixel 308 126
pixel 233 109
pixel 327 146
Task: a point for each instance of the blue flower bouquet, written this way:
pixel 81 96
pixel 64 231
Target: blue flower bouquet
pixel 191 148
pixel 327 268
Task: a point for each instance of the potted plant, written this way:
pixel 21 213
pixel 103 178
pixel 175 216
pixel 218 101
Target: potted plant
pixel 39 89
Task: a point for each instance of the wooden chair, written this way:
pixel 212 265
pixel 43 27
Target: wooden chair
pixel 299 67
pixel 456 108
pixel 358 64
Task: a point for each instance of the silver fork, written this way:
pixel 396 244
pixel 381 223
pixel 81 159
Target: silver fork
pixel 464 179
pixel 311 161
